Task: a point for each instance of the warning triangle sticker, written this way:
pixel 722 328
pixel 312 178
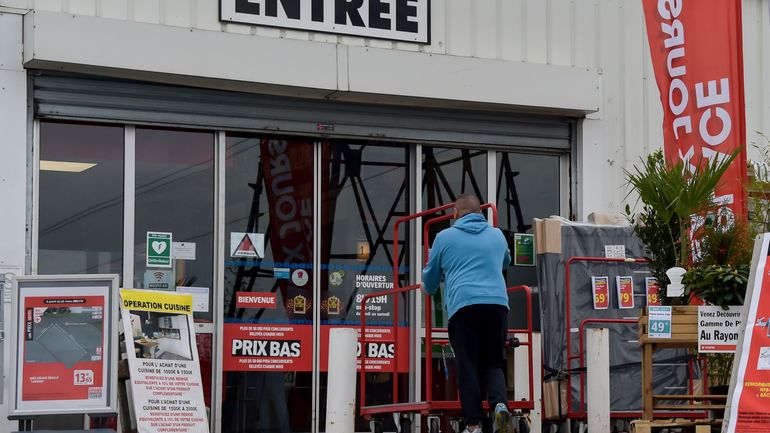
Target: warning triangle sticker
pixel 245 248
pixel 248 245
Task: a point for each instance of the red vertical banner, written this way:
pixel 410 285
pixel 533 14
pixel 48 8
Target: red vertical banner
pixel 697 54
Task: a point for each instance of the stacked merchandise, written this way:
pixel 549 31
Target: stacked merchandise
pixel 557 241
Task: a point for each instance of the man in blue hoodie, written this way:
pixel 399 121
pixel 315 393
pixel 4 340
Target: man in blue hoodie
pixel 472 255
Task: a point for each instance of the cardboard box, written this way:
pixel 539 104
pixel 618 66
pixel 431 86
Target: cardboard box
pixel 553 391
pixel 606 218
pixel 552 241
pixel 539 235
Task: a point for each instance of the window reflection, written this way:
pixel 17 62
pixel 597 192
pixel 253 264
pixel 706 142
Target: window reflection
pixel 448 174
pixel 81 199
pixel 365 188
pixel 528 187
pixel 175 194
pixel 268 287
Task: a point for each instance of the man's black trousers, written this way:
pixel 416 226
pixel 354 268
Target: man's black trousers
pixel 477 334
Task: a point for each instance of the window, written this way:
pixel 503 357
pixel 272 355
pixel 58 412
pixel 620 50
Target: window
pixel 175 194
pixel 268 291
pixel 81 199
pixel 365 189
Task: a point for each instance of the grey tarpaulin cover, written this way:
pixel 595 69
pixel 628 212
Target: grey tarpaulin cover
pixel 625 355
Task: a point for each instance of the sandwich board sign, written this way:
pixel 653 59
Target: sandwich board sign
pixel 64 339
pixel 166 388
pixel 749 396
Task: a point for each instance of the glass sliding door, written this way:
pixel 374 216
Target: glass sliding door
pixel 268 286
pixel 448 173
pixel 528 186
pixel 364 190
pixel 174 194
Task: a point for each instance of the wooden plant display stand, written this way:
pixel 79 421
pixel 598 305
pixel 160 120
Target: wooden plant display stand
pixel 684 334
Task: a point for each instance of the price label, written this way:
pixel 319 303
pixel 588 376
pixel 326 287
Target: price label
pixel 652 288
pixel 625 286
pixel 660 322
pixel 601 291
pixel 83 377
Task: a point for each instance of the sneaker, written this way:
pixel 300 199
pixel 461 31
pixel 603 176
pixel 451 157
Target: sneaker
pixel 476 429
pixel 503 421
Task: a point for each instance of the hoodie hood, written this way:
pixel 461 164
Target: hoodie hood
pixel 472 223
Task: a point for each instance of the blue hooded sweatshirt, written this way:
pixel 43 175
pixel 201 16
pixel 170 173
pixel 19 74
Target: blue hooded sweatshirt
pixel 472 255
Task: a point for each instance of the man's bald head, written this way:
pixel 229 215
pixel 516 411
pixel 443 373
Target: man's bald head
pixel 465 204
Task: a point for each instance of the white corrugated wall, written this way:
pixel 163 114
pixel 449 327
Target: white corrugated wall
pixel 606 36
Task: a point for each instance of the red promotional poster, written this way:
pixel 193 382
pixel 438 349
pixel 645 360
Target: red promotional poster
pixel 63 348
pixel 747 410
pixel 268 347
pixel 697 56
pixel 256 300
pixel 652 289
pixel 601 290
pixel 625 286
pixel 379 353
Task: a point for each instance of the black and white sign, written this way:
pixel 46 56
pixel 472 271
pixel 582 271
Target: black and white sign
pixel 718 329
pixel 401 20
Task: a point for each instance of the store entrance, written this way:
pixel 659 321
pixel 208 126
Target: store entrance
pixel 280 297
pixel 268 285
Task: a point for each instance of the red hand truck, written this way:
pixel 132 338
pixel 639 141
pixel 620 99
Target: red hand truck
pixel 435 410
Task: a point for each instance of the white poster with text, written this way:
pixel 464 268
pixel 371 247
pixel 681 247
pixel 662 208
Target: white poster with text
pixel 165 369
pixel 718 328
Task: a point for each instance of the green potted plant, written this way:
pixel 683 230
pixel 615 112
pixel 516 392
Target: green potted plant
pixel 720 278
pixel 671 196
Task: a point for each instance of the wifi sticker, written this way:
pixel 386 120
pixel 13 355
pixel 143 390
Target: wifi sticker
pixel 159 279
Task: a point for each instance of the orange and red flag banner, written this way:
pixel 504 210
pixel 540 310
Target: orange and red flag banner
pixel 697 54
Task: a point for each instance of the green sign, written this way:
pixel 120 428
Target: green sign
pixel 660 322
pixel 523 249
pixel 158 250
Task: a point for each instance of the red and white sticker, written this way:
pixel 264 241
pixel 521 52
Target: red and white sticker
pixel 83 377
pixel 299 277
pixel 652 289
pixel 256 300
pixel 601 290
pixel 625 287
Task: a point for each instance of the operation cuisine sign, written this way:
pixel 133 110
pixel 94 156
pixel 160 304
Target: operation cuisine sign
pixel 400 20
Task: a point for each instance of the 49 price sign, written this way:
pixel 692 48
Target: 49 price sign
pixel 601 292
pixel 660 321
pixel 652 288
pixel 625 292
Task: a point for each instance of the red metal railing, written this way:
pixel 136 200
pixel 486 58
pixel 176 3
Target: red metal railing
pixel 568 316
pixel 581 413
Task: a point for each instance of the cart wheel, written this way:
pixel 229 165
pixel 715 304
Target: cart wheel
pixel 376 426
pixel 434 426
pixel 406 425
pixel 523 425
